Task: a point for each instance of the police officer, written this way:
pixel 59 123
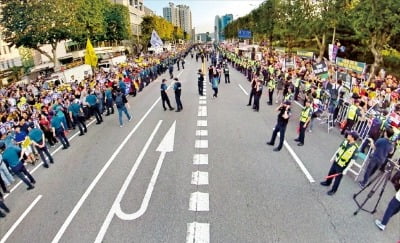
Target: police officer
pixel 200 81
pixel 76 115
pixel 38 140
pixel 178 90
pixel 94 107
pixel 271 88
pixel 253 90
pixel 164 95
pixel 12 156
pixel 305 118
pixel 352 114
pixel 346 152
pixel 257 95
pixel 283 119
pixel 226 73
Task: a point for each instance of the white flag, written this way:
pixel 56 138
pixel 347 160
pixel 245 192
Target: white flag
pixel 155 40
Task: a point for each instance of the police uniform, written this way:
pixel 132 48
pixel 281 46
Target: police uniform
pixel 346 152
pixel 305 118
pixel 352 116
pixel 280 126
pixel 271 88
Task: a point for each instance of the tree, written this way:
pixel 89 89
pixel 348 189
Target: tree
pixel 376 22
pixel 37 22
pixel 117 24
pixel 89 20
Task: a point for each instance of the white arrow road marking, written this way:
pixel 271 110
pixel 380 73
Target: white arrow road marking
pixel 199 178
pixel 199 202
pixel 166 145
pixel 99 175
pixel 15 225
pixel 200 159
pixel 198 233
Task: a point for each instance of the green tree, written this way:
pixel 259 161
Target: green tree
pixel 377 22
pixel 117 24
pixel 89 20
pixel 34 23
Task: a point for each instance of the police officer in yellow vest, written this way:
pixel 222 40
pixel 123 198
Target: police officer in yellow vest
pixel 271 87
pixel 352 114
pixel 346 152
pixel 305 118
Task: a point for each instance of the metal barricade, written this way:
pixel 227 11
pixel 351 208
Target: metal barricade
pixel 342 112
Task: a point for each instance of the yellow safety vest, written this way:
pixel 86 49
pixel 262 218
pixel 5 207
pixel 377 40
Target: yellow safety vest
pixel 271 84
pixel 318 92
pixel 343 155
pixel 305 114
pixel 307 86
pixel 297 82
pixel 352 112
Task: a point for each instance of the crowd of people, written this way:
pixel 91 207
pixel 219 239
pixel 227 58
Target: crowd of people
pixel 366 111
pixel 38 115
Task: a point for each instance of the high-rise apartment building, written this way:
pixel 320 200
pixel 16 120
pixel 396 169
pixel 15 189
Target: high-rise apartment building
pixel 185 18
pixel 171 14
pixel 180 16
pixel 219 26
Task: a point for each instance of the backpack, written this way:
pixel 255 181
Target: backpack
pixel 119 101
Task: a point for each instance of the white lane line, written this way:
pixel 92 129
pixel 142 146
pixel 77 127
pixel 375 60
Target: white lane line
pixel 41 163
pixel 199 178
pixel 199 202
pixel 241 87
pixel 201 133
pixel 19 220
pixel 202 102
pixel 200 159
pixel 202 98
pixel 299 162
pixel 202 123
pixel 202 111
pixel 99 175
pixel 201 144
pixel 198 233
pixel 116 204
pixel 298 104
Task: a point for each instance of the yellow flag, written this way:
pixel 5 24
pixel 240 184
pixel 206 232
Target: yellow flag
pixel 90 55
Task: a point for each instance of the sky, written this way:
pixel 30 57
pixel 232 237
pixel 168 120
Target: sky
pixel 204 11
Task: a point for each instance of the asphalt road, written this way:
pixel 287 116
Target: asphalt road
pixel 255 194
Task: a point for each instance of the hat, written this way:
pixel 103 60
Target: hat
pixel 354 134
pixel 287 102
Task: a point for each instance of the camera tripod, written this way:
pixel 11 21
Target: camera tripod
pixel 379 181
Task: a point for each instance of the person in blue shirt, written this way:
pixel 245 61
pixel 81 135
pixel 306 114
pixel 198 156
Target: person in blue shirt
pixel 94 107
pixel 164 95
pixel 171 70
pixel 109 100
pixel 122 85
pixel 178 91
pixel 121 102
pixel 59 131
pixel 382 148
pixel 38 140
pixel 76 115
pixel 214 84
pixel 13 157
